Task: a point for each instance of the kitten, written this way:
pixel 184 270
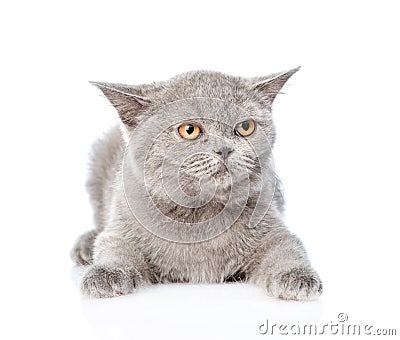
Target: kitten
pixel 184 190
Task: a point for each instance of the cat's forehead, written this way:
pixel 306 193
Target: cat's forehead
pixel 211 111
pixel 211 95
pixel 207 84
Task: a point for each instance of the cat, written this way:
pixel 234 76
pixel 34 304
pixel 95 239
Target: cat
pixel 184 190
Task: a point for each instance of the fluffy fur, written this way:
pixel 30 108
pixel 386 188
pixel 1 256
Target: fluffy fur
pixel 124 253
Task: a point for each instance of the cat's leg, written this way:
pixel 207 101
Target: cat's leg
pixel 82 251
pixel 118 268
pixel 104 158
pixel 280 265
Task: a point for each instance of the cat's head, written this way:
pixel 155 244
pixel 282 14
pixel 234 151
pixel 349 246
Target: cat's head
pixel 199 135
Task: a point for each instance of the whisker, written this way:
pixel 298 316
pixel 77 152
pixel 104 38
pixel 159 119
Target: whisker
pixel 197 169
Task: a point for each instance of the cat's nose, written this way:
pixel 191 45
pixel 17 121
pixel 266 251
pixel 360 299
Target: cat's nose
pixel 224 152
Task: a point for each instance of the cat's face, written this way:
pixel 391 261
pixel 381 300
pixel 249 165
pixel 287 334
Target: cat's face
pixel 202 136
pixel 204 146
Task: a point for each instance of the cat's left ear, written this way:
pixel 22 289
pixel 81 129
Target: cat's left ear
pixel 271 85
pixel 131 102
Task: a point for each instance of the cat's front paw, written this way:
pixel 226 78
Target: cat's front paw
pixel 107 281
pixel 299 283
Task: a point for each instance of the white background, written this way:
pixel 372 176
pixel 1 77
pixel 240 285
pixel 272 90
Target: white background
pixel 337 154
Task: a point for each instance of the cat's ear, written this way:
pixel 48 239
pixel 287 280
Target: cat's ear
pixel 271 85
pixel 129 101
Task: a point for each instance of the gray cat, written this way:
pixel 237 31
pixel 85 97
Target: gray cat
pixel 185 190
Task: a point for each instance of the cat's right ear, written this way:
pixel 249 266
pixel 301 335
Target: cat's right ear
pixel 127 100
pixel 271 85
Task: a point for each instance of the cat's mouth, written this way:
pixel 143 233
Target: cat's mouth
pixel 221 172
pixel 224 172
pixel 222 168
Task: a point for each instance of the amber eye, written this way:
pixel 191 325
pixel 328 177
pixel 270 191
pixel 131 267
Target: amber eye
pixel 245 128
pixel 189 131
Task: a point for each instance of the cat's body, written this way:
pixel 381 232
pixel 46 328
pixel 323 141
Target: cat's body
pixel 125 253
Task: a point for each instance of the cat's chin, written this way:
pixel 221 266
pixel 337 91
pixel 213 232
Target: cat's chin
pixel 226 178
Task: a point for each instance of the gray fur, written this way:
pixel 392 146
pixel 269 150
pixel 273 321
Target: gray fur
pixel 124 255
